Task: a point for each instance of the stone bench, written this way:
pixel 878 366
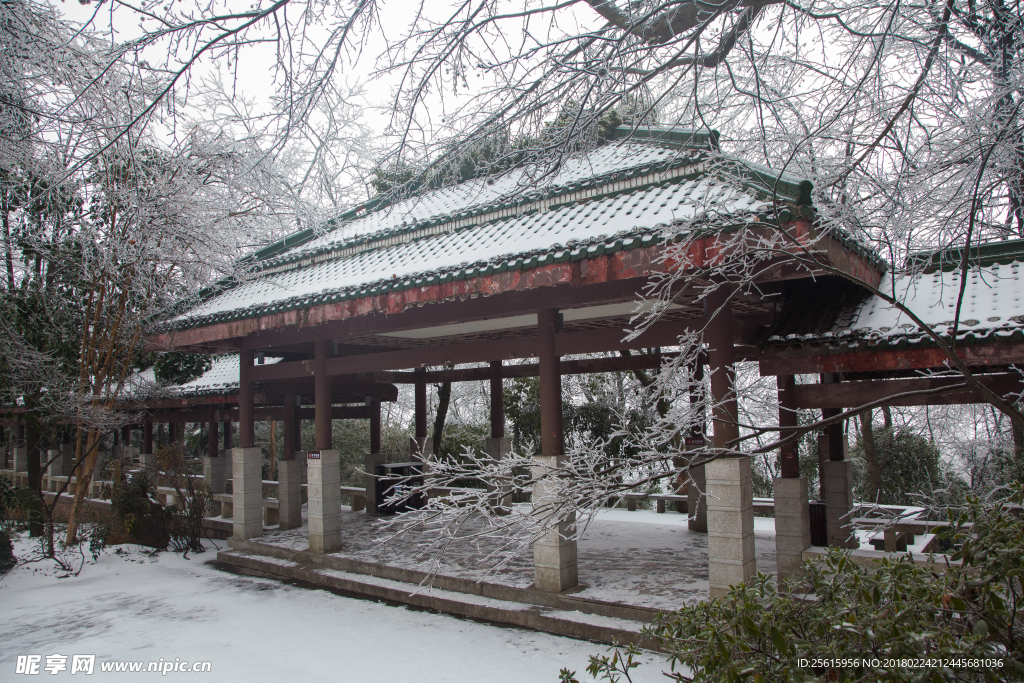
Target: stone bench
pixel 661 500
pixel 271 505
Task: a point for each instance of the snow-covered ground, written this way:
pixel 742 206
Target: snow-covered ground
pixel 134 607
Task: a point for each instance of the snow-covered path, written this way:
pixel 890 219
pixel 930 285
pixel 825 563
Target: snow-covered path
pixel 131 607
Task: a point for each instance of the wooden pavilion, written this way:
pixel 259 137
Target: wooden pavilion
pixel 495 269
pixel 491 270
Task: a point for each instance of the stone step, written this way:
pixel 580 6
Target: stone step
pixel 570 623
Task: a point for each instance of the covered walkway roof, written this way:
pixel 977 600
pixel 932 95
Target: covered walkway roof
pixel 488 253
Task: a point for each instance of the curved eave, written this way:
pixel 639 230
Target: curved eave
pixel 594 267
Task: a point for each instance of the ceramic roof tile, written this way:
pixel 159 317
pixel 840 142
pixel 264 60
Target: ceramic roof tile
pixel 485 192
pixel 603 218
pixel 992 308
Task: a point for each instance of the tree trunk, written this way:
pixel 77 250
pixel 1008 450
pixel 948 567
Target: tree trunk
pixel 85 461
pixel 444 398
pixel 867 436
pixel 35 477
pixel 887 417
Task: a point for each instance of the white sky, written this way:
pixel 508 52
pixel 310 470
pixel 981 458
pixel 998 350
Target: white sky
pixel 251 73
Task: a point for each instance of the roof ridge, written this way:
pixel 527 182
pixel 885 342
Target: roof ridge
pixel 615 183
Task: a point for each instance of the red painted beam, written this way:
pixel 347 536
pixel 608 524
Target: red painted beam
pixel 588 341
pixel 601 279
pixel 264 414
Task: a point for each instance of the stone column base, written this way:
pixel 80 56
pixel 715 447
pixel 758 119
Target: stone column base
pixel 62 465
pixel 247 492
pixel 696 502
pixel 370 462
pixel 289 493
pixel 837 492
pixel 148 460
pixel 20 457
pixel 497 448
pixel 554 555
pixel 213 474
pixel 554 561
pixel 792 526
pixel 730 502
pixel 324 491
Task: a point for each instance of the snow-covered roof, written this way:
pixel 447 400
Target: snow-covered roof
pixel 991 310
pixel 617 197
pixel 507 188
pixel 221 378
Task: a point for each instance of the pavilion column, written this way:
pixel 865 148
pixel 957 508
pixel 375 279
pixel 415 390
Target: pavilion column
pixel 213 465
pixel 323 464
pixel 421 445
pixel 227 448
pixel 147 456
pixel 289 469
pixel 246 460
pixel 730 494
pixel 836 477
pixel 554 555
pixel 696 505
pixel 497 446
pixel 375 457
pixel 792 514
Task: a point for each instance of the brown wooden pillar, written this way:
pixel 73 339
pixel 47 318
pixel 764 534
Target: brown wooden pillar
pixel 214 466
pixel 551 437
pixel 147 437
pixel 789 460
pixel 696 481
pixel 321 394
pixel 836 478
pixel 420 445
pixel 172 432
pixel 126 435
pixel 420 390
pixel 792 511
pixel 375 423
pixel 323 467
pixel 554 553
pixel 290 469
pixel 497 401
pixel 290 425
pixel 730 493
pixel 211 433
pixel 229 439
pixel 246 401
pixel 834 432
pixel 498 445
pixel 721 361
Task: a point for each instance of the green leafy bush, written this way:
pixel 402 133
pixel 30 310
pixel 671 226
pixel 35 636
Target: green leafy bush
pixel 894 609
pixel 136 517
pixel 909 463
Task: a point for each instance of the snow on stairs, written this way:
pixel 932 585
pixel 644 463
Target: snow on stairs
pixel 563 615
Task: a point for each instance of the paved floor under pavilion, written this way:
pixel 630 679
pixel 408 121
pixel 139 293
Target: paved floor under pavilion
pixel 639 558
